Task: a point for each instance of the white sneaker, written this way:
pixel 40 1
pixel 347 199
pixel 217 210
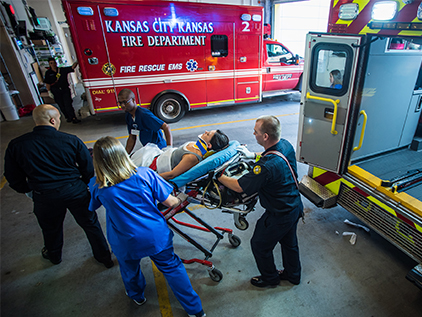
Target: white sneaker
pixel 198 315
pixel 141 302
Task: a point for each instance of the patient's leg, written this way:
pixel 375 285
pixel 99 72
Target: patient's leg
pixel 145 155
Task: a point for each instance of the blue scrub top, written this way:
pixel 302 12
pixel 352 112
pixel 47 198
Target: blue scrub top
pixel 148 125
pixel 135 227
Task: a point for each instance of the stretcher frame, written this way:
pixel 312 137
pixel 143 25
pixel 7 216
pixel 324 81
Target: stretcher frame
pixel 215 274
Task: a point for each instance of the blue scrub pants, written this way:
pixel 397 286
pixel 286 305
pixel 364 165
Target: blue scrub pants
pixel 173 270
pixel 270 230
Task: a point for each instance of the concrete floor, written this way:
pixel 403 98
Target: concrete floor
pixel 338 279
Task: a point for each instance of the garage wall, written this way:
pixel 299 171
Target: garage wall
pixel 292 21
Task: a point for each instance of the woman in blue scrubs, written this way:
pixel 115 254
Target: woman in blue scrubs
pixel 135 227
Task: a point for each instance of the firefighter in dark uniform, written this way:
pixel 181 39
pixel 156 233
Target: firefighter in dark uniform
pixel 276 184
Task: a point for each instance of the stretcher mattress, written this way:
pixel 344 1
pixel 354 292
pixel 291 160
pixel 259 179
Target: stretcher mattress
pixel 210 163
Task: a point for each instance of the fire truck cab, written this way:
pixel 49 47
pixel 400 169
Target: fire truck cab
pixel 177 56
pixel 360 127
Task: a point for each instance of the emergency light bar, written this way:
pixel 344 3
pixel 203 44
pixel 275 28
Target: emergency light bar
pixel 86 11
pixel 415 26
pixel 111 12
pixel 348 11
pixel 384 10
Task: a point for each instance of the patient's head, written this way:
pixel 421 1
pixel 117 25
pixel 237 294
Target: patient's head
pixel 216 140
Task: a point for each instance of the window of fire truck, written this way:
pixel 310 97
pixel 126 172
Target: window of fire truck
pixel 219 45
pixel 330 68
pixel 277 52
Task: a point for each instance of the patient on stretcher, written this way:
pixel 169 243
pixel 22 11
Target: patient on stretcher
pixel 173 162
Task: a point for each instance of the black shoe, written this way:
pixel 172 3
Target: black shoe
pixel 258 282
pixel 68 120
pixel 108 264
pixel 283 277
pixel 76 120
pixel 45 255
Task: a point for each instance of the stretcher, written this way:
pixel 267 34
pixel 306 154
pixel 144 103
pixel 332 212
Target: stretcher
pixel 202 187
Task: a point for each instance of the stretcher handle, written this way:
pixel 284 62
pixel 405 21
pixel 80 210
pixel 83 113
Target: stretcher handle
pixel 362 133
pixel 335 103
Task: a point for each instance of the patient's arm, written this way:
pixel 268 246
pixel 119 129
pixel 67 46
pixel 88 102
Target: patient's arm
pixel 188 161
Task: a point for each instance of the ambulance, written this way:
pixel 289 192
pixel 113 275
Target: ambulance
pixel 360 127
pixel 178 56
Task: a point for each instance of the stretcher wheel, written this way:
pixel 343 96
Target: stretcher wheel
pixel 234 240
pixel 241 223
pixel 216 275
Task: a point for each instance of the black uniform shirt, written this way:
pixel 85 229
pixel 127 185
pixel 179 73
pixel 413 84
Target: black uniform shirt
pixel 51 77
pixel 272 179
pixel 45 159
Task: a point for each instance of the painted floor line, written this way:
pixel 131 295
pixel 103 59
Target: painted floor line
pixel 206 125
pixel 162 292
pixel 3 182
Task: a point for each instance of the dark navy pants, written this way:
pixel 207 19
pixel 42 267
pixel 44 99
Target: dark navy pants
pixel 64 100
pixel 50 207
pixel 173 270
pixel 270 230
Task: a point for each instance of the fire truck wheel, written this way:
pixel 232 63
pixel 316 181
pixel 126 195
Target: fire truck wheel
pixel 169 108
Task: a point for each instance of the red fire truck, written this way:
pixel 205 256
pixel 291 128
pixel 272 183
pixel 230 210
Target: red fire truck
pixel 360 127
pixel 177 56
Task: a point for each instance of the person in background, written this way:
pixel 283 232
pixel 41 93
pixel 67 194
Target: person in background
pixel 274 177
pixel 135 227
pixel 143 123
pixel 335 79
pixel 54 168
pixel 58 88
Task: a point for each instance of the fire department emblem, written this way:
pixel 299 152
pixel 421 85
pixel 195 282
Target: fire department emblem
pixel 192 65
pixel 109 69
pixel 257 169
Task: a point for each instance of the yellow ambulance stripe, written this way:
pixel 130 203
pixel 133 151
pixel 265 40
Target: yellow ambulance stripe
pixel 404 199
pixel 362 4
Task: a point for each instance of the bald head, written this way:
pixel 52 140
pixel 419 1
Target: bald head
pixel 46 115
pixel 126 94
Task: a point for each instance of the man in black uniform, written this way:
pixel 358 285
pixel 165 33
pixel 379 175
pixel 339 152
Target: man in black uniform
pixel 276 184
pixel 54 168
pixel 58 85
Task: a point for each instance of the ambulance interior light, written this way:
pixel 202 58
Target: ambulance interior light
pixel 111 12
pixel 245 17
pixel 86 11
pixel 384 10
pixel 348 11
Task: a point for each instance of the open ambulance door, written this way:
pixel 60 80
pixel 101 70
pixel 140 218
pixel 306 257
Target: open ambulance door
pixel 325 131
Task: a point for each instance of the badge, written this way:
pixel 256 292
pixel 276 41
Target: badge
pixel 257 169
pixel 134 132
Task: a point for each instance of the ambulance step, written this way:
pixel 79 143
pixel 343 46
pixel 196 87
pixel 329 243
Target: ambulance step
pixel 415 276
pixel 316 193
